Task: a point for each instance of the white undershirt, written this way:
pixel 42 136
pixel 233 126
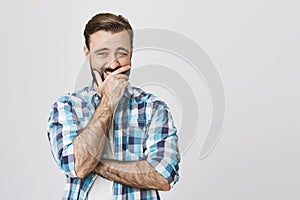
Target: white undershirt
pixel 102 189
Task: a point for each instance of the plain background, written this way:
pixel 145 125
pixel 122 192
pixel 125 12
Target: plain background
pixel 254 45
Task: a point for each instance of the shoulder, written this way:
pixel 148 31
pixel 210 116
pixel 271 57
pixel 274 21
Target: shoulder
pixel 77 98
pixel 148 99
pixel 72 104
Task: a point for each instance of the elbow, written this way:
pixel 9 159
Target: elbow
pixel 80 176
pixel 79 170
pixel 82 169
pixel 81 173
pixel 83 164
pixel 166 187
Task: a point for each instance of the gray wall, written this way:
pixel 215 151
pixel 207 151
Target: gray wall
pixel 254 45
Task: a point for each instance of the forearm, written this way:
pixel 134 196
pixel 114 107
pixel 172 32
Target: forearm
pixel 88 145
pixel 138 174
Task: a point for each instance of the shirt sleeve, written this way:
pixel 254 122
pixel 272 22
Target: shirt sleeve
pixel 63 127
pixel 161 145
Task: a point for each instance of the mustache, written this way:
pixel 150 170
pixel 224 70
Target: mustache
pixel 106 69
pixel 110 69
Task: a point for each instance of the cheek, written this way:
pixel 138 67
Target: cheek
pixel 98 63
pixel 124 61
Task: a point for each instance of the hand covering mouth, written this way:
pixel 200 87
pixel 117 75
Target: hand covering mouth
pixel 110 70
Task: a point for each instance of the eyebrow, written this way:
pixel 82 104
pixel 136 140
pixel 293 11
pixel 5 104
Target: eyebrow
pixel 106 49
pixel 101 49
pixel 123 49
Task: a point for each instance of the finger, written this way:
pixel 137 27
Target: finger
pixel 116 77
pixel 121 76
pixel 121 70
pixel 125 84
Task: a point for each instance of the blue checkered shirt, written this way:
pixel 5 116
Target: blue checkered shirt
pixel 143 129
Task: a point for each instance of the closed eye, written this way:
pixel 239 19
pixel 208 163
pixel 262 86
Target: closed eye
pixel 122 54
pixel 102 53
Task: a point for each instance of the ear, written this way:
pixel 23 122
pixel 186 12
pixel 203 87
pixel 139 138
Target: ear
pixel 86 51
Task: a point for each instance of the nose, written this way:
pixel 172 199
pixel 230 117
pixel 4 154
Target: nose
pixel 113 63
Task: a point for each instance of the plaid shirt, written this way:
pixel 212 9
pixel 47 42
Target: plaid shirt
pixel 143 129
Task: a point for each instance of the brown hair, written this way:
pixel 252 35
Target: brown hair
pixel 107 22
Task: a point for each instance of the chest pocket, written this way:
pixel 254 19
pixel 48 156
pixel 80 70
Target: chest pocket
pixel 136 136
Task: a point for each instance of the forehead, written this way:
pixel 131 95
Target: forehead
pixel 109 40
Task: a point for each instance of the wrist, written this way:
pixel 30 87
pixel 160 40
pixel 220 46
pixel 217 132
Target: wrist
pixel 106 103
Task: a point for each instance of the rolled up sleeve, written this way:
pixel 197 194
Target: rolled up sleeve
pixel 63 127
pixel 162 143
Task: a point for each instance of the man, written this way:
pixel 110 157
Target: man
pixel 112 140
